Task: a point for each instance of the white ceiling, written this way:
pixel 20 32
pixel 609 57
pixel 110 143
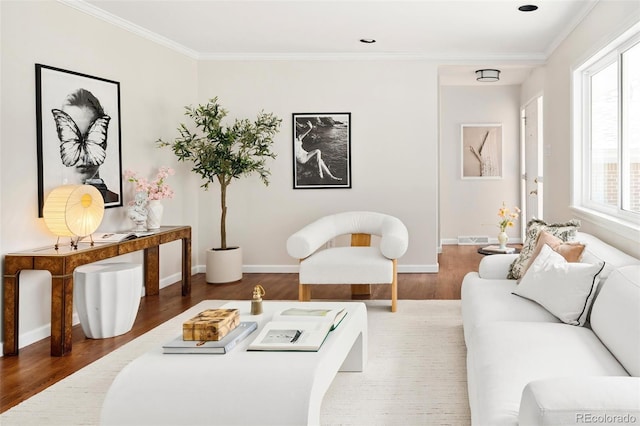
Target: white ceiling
pixel 464 34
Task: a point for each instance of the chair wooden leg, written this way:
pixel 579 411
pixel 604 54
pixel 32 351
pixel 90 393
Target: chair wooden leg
pixel 304 292
pixel 394 287
pixel 360 240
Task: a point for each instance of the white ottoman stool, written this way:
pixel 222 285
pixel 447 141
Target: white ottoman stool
pixel 107 297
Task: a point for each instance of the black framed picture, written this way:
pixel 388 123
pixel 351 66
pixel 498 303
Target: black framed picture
pixel 78 132
pixel 322 150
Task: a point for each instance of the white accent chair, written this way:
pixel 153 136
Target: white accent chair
pixel 358 265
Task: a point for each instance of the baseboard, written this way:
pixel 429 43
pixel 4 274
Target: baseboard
pixel 43 332
pixel 418 269
pixel 293 269
pixel 270 269
pixel 454 241
pixel 30 337
pixel 448 242
pixel 174 278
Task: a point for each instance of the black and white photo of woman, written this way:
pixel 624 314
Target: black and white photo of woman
pixel 321 150
pixel 303 156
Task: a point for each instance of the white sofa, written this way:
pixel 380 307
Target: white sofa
pixel 526 367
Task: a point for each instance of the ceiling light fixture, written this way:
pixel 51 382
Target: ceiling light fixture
pixel 367 40
pixel 528 8
pixel 488 75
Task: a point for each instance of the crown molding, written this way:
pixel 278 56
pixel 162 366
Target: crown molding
pixel 440 57
pixel 527 58
pixel 568 29
pixel 89 9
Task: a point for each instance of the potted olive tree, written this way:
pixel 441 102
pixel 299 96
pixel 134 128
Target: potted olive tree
pixel 222 153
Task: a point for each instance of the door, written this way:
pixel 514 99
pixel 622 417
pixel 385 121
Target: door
pixel 532 162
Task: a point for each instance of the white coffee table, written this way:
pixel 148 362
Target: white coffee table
pixel 241 387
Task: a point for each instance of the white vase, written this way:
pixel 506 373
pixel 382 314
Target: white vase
pixel 503 238
pixel 154 215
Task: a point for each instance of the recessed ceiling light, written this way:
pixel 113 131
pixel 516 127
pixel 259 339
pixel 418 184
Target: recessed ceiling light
pixel 528 8
pixel 367 40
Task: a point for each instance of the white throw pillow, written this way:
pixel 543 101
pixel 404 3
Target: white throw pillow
pixel 564 289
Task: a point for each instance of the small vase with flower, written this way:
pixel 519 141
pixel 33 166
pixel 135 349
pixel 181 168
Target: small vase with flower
pixel 506 220
pixel 153 192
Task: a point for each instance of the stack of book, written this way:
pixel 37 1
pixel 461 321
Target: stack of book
pixel 214 331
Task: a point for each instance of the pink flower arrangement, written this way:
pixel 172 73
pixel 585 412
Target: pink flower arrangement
pixel 155 189
pixel 507 217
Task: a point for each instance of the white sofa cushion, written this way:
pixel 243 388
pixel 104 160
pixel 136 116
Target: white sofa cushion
pixel 580 400
pixel 486 301
pixel 570 250
pixel 349 265
pixel 597 250
pixel 504 357
pixel 564 231
pixel 616 317
pixel 564 289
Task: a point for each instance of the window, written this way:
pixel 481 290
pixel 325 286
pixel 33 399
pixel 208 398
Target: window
pixel 606 158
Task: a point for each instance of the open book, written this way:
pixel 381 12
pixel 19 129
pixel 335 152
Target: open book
pixel 297 329
pixel 114 237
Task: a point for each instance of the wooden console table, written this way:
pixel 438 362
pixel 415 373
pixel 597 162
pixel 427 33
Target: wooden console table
pixel 62 262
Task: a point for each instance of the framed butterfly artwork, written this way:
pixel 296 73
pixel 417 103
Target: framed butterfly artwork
pixel 78 133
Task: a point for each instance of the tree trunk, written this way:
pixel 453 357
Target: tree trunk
pixel 223 216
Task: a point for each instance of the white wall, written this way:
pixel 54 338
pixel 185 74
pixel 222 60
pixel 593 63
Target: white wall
pixel 154 83
pixel 602 25
pixel 470 206
pixel 533 87
pixel 394 121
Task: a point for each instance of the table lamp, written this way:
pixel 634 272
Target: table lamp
pixel 73 211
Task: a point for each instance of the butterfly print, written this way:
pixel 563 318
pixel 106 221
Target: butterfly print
pixel 81 149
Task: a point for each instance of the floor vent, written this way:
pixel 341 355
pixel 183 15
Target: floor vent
pixel 472 240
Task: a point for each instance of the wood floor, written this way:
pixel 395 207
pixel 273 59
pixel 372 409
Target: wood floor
pixel 33 369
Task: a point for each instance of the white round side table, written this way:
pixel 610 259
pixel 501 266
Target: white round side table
pixel 107 297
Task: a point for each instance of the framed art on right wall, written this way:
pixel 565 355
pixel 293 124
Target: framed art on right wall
pixel 481 151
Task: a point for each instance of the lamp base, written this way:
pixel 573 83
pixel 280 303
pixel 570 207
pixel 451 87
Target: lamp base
pixel 73 244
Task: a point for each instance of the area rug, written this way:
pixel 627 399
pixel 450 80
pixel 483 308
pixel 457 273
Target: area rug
pixel 416 374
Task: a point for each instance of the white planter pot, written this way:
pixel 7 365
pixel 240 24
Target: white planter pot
pixel 224 266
